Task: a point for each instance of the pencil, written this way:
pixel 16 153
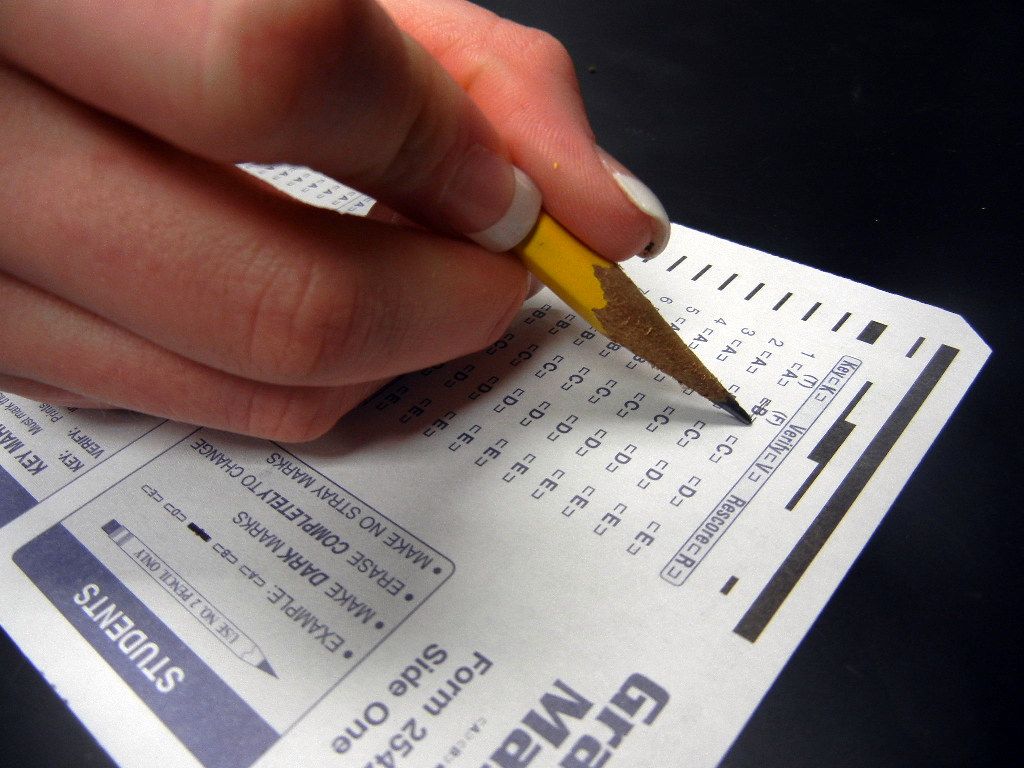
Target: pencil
pixel 188 597
pixel 606 298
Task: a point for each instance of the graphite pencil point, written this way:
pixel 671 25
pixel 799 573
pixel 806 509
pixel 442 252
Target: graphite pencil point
pixel 732 406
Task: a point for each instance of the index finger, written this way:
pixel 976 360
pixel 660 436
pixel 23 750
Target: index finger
pixel 525 82
pixel 332 84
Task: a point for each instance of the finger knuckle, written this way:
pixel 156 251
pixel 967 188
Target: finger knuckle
pixel 288 415
pixel 305 324
pixel 545 51
pixel 261 63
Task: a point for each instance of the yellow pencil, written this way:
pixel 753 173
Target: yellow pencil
pixel 606 298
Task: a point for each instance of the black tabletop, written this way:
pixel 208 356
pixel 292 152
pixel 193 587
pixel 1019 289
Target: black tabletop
pixel 880 141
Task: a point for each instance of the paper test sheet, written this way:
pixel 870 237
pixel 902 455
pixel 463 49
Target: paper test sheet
pixel 541 554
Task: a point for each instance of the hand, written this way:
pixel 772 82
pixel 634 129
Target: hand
pixel 140 269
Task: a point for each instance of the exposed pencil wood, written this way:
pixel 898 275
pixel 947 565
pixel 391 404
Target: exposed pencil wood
pixel 631 320
pixel 605 296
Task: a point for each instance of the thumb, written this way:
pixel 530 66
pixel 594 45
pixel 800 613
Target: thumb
pixel 332 84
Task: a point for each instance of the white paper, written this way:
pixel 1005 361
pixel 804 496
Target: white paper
pixel 542 554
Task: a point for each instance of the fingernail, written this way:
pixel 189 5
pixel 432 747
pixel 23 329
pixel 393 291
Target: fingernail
pixel 517 221
pixel 490 200
pixel 645 201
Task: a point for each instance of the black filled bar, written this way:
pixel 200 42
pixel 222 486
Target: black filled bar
pixel 800 557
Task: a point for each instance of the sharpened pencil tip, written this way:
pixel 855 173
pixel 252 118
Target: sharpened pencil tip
pixel 732 406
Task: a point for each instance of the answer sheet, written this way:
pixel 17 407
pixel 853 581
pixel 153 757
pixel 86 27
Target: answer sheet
pixel 542 554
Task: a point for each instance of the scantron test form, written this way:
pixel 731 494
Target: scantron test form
pixel 543 554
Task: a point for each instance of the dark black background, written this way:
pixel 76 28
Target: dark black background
pixel 880 141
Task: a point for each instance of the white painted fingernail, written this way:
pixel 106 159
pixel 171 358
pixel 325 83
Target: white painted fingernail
pixel 516 223
pixel 645 200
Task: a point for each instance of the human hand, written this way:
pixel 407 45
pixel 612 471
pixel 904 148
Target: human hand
pixel 140 269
